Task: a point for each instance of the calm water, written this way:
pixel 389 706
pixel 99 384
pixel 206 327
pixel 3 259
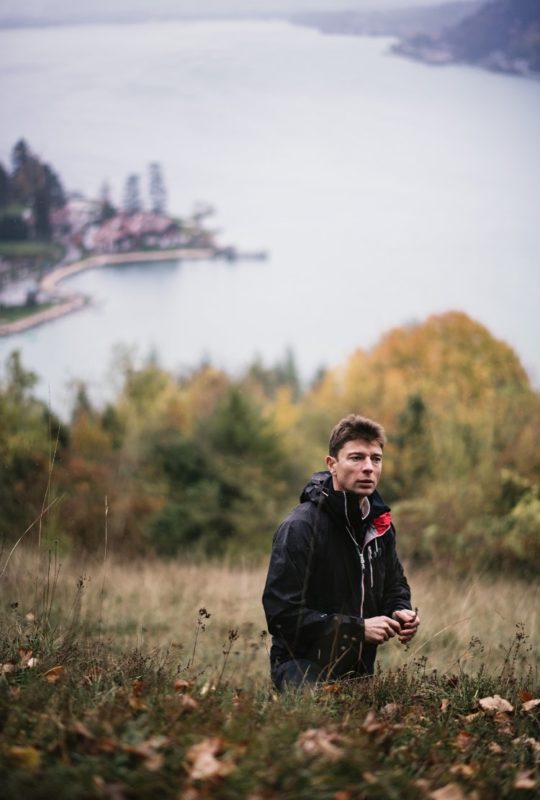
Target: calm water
pixel 384 190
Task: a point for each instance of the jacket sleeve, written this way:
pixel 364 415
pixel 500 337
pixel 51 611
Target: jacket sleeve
pixel 397 594
pixel 289 617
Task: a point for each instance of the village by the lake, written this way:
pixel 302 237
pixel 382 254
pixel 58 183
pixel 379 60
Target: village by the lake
pixel 48 234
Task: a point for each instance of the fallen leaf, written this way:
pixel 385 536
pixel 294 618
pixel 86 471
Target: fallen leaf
pixel 189 794
pixel 390 711
pixel 318 742
pixel 148 747
pixel 504 723
pixel 524 780
pixel 25 655
pixel 495 703
pixel 188 703
pixel 465 770
pixel 525 696
pixel 495 748
pixel 203 758
pixel 533 743
pixel 452 791
pixel 27 757
pixel 154 762
pixel 181 685
pixel 31 663
pixel 331 688
pixel 529 705
pixel 445 702
pixel 464 740
pixel 80 729
pixel 108 745
pixel 8 667
pixel 469 717
pixel 54 674
pixel 369 777
pixel 372 724
pixel 527 740
pixel 136 697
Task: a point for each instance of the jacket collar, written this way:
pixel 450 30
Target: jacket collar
pixel 343 506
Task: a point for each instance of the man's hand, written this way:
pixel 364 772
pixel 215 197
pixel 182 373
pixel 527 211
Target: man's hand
pixel 409 622
pixel 379 629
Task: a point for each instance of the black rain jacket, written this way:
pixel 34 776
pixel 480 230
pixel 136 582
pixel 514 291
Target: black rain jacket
pixel 329 570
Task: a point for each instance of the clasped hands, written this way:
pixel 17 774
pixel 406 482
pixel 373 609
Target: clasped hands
pixel 403 624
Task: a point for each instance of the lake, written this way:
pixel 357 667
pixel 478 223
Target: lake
pixel 383 189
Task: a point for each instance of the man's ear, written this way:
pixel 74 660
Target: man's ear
pixel 331 464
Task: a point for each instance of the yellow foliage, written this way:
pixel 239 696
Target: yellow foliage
pixel 26 757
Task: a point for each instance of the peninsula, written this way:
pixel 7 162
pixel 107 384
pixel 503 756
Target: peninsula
pixel 48 235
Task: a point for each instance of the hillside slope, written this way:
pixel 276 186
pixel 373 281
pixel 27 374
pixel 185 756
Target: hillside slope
pixel 503 35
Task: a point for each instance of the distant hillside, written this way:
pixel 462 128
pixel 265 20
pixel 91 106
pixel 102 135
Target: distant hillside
pixel 503 35
pixel 404 22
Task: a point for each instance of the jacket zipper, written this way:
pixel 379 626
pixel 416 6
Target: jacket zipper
pixel 360 552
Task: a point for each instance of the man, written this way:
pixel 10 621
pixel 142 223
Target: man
pixel 335 588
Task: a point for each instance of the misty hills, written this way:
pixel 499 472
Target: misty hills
pixel 405 22
pixel 502 35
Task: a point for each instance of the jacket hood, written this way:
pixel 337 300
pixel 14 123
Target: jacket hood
pixel 340 504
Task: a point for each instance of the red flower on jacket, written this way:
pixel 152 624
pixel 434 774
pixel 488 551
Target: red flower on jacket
pixel 382 523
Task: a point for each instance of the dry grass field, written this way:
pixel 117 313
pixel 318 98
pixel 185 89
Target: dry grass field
pixel 131 681
pixel 155 605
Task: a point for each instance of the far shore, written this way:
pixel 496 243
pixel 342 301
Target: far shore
pixel 52 279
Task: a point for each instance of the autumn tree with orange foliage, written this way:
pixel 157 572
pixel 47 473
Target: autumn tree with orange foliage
pixel 462 467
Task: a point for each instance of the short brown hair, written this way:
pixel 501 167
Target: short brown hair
pixel 353 427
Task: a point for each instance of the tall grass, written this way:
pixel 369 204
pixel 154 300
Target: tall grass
pixel 155 604
pixel 150 679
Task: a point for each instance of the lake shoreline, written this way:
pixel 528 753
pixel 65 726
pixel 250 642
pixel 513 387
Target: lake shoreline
pixel 50 282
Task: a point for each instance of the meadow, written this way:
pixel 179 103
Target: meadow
pixel 150 678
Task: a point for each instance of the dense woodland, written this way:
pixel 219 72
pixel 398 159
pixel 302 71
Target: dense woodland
pixel 204 464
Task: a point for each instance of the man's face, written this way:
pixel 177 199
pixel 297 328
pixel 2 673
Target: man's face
pixel 357 467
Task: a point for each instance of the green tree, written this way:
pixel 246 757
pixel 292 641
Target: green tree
pixel 106 208
pixel 29 438
pixel 36 186
pixel 4 186
pixel 132 195
pixel 156 189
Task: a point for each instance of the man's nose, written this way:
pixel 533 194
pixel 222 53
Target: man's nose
pixel 368 466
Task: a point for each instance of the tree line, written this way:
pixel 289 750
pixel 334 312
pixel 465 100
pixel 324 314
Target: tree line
pixel 206 464
pixel 29 192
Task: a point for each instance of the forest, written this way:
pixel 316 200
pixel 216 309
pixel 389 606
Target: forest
pixel 204 464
